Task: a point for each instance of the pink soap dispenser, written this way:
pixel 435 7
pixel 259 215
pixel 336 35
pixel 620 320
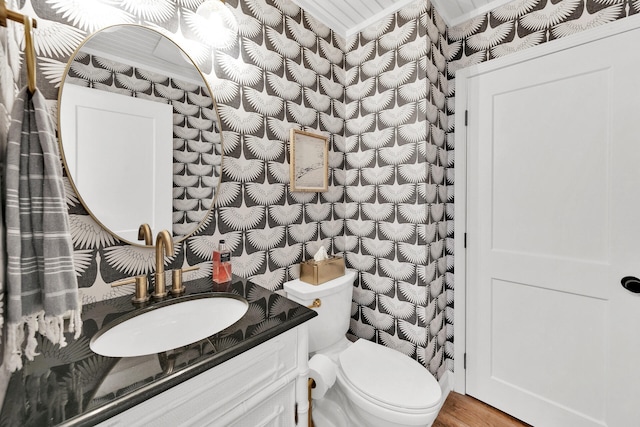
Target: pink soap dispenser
pixel 221 263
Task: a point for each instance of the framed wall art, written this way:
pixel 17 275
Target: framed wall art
pixel 309 161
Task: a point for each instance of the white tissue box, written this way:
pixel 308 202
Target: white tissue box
pixel 317 272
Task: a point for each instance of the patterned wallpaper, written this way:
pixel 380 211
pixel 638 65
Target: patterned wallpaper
pixel 384 98
pixel 283 70
pixel 383 107
pixel 522 24
pixel 399 218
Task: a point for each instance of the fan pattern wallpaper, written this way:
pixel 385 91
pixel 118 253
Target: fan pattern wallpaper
pixel 398 222
pixel 522 24
pixel 384 98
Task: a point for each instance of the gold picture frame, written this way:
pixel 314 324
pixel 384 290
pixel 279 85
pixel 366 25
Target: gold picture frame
pixel 309 161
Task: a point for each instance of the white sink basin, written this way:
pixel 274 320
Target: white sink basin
pixel 168 325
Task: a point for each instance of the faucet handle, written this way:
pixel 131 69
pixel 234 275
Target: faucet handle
pixel 160 290
pixel 176 279
pixel 141 287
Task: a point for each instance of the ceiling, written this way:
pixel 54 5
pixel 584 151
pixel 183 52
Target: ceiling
pixel 348 17
pixel 151 51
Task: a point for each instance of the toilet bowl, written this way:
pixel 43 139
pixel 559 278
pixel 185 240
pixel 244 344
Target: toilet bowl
pixel 375 386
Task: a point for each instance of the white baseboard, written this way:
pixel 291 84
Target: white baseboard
pixel 446 385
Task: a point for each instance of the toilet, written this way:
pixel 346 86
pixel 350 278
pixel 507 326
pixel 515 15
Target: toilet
pixel 375 386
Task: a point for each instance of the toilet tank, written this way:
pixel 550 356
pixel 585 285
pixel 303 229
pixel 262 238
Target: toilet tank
pixel 332 322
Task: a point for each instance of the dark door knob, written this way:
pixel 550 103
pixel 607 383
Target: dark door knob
pixel 632 284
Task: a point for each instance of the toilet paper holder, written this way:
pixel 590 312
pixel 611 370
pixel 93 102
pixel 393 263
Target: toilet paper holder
pixel 311 384
pixel 321 377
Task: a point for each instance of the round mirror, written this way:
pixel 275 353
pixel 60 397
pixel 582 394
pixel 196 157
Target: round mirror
pixel 139 133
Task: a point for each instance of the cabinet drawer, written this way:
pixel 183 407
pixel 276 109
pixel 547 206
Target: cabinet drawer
pixel 277 411
pixel 242 376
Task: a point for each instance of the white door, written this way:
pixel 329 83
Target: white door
pixel 553 222
pixel 119 152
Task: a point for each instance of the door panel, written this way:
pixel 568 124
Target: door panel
pixel 536 134
pixel 551 328
pixel 112 142
pixel 553 211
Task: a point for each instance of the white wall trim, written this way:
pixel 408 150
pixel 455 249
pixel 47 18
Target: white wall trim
pixel 460 194
pixel 446 383
pixel 460 227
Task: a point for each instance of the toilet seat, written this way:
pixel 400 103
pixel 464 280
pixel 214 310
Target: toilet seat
pixel 406 388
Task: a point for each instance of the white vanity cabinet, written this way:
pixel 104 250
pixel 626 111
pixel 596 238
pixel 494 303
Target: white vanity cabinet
pixel 263 386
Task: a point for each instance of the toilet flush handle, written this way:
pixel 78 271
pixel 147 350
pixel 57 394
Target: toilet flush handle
pixel 316 303
pixel 632 284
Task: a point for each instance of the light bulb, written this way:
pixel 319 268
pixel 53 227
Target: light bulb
pixel 210 9
pixel 221 24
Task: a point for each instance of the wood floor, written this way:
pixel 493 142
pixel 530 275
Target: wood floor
pixel 465 411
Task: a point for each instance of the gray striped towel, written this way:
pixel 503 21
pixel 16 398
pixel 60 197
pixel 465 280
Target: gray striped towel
pixel 42 288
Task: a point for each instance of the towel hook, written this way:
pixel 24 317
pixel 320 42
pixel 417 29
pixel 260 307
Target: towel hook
pixel 29 50
pixel 30 54
pixel 14 16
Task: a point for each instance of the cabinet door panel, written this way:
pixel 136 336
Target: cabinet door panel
pixel 225 393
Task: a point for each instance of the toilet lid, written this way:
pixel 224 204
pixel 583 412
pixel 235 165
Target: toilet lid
pixel 389 377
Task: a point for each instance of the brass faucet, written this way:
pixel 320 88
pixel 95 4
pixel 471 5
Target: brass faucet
pixel 164 244
pixel 144 233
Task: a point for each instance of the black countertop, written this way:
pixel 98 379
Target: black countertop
pixel 72 386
